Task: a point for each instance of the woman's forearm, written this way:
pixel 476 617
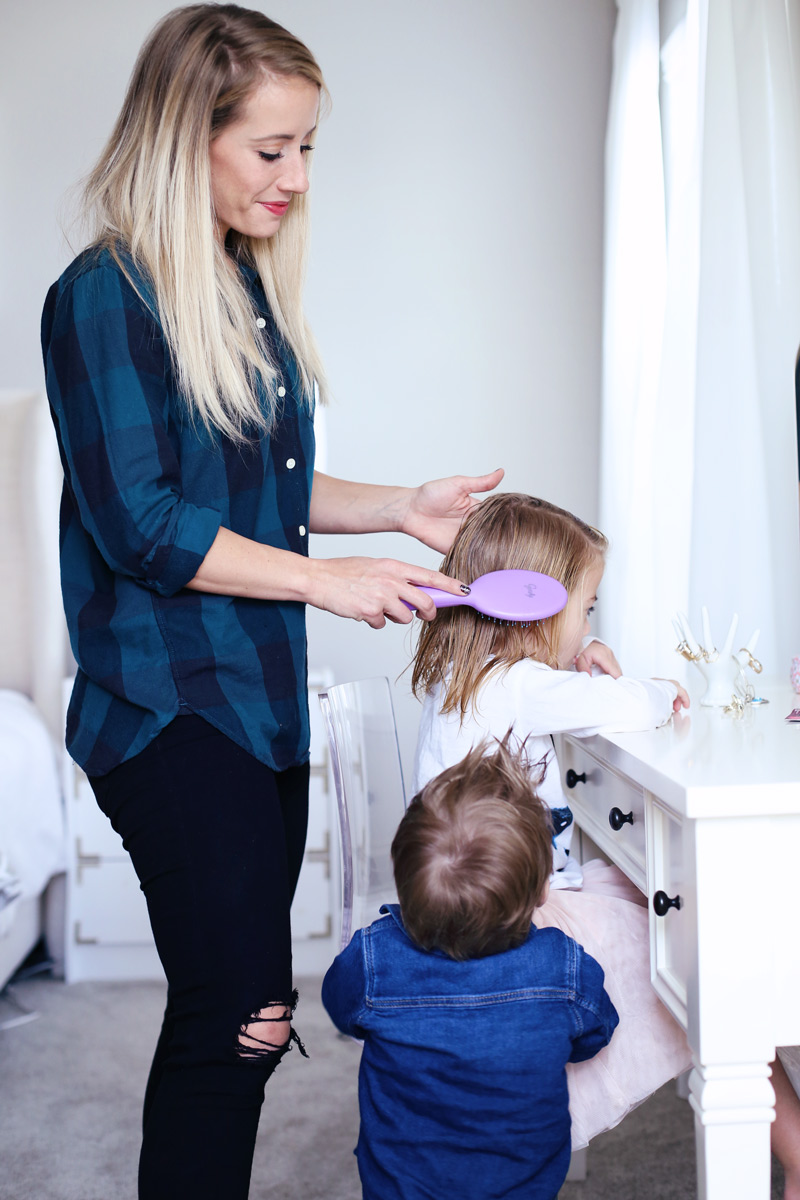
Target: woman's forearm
pixel 340 506
pixel 432 513
pixel 373 590
pixel 239 566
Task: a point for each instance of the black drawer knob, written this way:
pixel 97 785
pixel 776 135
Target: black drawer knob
pixel 617 818
pixel 573 778
pixel 662 903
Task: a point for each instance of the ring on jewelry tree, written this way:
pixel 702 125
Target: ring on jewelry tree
pixel 753 663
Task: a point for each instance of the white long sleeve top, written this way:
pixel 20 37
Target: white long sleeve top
pixel 538 701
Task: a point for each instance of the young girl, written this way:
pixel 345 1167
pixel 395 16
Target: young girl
pixel 480 679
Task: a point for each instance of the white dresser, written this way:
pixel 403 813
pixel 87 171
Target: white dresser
pixel 108 932
pixel 703 816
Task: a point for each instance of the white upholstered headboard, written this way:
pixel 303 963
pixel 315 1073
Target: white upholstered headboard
pixel 34 655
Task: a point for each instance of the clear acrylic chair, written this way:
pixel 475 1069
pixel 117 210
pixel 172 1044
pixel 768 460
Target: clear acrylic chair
pixel 370 794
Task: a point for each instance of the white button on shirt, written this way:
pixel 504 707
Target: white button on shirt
pixel 281 391
pixel 260 322
pixel 290 462
pixel 302 531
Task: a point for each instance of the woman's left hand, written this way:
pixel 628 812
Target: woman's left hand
pixel 436 509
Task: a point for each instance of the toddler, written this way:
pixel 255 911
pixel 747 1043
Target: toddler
pixel 468 1013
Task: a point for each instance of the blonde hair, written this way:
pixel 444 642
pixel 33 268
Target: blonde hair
pixel 473 854
pixel 459 649
pixel 149 196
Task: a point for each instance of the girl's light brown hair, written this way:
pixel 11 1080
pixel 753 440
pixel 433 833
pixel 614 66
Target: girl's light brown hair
pixel 149 199
pixel 473 854
pixel 460 648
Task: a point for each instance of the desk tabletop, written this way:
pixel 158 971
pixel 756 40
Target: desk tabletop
pixel 706 763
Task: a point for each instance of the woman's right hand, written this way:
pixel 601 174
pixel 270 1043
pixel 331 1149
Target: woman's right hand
pixel 375 590
pixel 365 589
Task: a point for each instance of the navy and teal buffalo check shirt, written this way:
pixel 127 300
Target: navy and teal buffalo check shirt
pixel 145 493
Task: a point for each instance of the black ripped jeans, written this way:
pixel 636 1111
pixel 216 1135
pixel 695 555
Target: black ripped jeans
pixel 217 840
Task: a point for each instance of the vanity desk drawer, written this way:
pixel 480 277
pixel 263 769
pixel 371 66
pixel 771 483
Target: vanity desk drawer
pixel 645 839
pixel 671 906
pixel 608 806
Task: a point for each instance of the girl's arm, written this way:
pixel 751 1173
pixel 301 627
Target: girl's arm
pixel 432 513
pixel 597 654
pixel 548 701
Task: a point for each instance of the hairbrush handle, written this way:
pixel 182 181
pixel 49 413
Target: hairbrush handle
pixel 443 599
pixel 440 599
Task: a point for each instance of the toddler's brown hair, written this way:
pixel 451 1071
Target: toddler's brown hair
pixel 473 855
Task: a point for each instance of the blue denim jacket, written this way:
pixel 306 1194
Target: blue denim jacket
pixel 462 1087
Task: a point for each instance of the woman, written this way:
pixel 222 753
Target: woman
pixel 181 377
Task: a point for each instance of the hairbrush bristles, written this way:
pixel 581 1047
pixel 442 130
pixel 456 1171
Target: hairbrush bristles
pixel 499 621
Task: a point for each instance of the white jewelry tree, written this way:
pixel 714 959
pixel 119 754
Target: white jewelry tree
pixel 723 671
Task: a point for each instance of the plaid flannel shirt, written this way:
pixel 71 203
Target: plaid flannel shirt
pixel 146 490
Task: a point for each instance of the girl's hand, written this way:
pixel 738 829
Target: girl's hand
pixel 374 589
pixel 682 698
pixel 435 510
pixel 596 654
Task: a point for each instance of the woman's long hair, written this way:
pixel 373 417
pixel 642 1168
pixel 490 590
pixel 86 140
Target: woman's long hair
pixel 460 648
pixel 149 197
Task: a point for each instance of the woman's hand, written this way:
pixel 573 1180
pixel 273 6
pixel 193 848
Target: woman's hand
pixel 432 513
pixel 375 590
pixel 597 654
pixel 365 589
pixel 436 509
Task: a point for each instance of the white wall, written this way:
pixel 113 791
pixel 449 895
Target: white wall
pixel 456 268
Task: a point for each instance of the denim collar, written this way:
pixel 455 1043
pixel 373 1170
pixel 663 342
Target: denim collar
pixel 394 911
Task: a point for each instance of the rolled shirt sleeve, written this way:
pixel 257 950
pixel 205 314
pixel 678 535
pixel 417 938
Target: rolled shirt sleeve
pixel 106 369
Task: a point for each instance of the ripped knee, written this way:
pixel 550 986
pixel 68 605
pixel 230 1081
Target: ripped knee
pixel 266 1031
pixel 267 1034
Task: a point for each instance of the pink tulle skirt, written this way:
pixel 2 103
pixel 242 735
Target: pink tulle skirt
pixel 608 917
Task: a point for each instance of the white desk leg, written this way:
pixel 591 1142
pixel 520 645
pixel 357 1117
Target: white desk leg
pixel 734 1108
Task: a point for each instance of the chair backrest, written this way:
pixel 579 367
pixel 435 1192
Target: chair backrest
pixel 370 794
pixel 34 652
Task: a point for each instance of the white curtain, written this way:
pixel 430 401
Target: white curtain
pixel 699 489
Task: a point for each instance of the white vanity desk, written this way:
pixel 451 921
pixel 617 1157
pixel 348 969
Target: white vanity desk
pixel 707 809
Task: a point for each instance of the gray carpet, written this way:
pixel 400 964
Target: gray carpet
pixel 71 1085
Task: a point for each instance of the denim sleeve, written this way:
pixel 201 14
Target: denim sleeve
pixel 106 369
pixel 595 1015
pixel 344 987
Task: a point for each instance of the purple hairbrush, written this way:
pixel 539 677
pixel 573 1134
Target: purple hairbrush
pixel 508 596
